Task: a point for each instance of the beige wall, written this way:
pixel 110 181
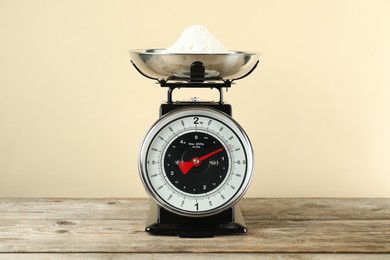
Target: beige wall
pixel 73 111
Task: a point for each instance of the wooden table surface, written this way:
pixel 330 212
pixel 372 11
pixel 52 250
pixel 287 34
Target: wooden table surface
pixel 50 228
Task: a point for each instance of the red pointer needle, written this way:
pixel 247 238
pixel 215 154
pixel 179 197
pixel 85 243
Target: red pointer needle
pixel 186 166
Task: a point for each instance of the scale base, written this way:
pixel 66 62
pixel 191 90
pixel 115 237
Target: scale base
pixel 163 222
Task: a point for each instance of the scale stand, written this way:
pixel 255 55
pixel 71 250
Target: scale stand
pixel 164 222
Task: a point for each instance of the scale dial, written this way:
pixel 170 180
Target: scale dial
pixel 196 161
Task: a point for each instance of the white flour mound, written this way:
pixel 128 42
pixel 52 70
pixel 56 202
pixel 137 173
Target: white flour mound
pixel 196 39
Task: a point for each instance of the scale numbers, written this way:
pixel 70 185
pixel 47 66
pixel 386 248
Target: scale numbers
pixel 206 161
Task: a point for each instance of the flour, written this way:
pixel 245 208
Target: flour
pixel 196 39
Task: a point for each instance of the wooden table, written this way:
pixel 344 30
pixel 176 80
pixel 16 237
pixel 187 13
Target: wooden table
pixel 36 228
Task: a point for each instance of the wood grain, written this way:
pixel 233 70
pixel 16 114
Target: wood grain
pixel 279 226
pixel 179 256
pixel 114 208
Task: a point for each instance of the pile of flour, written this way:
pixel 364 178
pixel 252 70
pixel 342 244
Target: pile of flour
pixel 196 39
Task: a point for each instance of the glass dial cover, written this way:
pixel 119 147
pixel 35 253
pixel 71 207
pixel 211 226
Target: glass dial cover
pixel 196 161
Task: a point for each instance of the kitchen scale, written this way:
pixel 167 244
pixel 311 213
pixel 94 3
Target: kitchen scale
pixel 195 162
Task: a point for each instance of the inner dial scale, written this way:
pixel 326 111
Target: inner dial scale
pixel 196 161
pixel 196 170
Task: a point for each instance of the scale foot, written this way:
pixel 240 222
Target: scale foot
pixel 163 222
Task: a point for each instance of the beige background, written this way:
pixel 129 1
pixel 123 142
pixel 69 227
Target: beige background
pixel 73 111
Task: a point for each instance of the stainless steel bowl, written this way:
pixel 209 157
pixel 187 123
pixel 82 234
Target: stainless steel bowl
pixel 155 63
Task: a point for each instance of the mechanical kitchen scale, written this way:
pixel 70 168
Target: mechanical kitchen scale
pixel 195 162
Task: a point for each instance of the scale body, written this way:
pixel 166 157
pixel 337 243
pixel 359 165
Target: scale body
pixel 196 162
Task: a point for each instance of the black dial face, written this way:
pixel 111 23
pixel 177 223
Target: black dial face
pixel 196 163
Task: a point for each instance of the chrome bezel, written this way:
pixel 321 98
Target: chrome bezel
pixel 195 111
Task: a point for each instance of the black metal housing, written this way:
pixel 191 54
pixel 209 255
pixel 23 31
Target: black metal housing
pixel 168 107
